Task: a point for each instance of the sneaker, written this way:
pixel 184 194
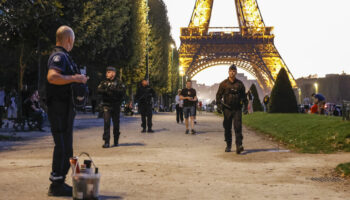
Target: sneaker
pixel 228 149
pixel 187 131
pixel 143 130
pixel 60 190
pixel 239 149
pixel 193 132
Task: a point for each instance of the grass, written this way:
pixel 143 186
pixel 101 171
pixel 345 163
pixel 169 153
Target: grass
pixel 303 133
pixel 343 169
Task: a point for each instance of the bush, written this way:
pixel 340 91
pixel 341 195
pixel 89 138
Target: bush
pixel 256 101
pixel 282 98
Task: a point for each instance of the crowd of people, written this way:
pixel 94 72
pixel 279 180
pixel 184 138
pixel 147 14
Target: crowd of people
pixel 31 108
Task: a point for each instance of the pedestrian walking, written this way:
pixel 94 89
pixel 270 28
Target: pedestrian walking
pixel 250 98
pixel 189 96
pixel 113 93
pixel 144 96
pixel 266 103
pixel 232 91
pixel 179 108
pixel 62 74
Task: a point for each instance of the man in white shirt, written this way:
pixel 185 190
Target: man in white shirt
pixel 179 108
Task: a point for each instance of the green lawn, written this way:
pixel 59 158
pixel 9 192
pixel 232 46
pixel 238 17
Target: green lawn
pixel 302 132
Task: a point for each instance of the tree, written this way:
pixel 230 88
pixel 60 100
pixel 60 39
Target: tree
pixel 256 101
pixel 282 98
pixel 159 41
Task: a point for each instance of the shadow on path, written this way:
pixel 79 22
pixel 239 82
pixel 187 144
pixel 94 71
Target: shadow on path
pixel 131 144
pixel 275 150
pixel 105 197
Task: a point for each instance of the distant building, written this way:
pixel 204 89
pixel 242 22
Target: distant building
pixel 335 87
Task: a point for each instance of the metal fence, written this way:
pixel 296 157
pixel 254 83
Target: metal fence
pixel 346 110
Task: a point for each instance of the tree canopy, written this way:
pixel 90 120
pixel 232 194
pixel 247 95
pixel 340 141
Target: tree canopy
pixel 108 33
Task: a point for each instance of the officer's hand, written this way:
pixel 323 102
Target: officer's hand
pixel 79 78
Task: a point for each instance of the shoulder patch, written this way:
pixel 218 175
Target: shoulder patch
pixel 56 58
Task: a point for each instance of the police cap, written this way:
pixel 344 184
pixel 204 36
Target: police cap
pixel 233 67
pixel 110 68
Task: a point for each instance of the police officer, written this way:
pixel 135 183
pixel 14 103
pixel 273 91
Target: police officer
pixel 113 93
pixel 232 91
pixel 61 74
pixel 144 97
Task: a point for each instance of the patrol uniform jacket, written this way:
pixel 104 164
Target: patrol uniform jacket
pixel 144 95
pixel 233 94
pixel 60 61
pixel 112 91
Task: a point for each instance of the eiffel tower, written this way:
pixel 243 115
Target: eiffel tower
pixel 249 46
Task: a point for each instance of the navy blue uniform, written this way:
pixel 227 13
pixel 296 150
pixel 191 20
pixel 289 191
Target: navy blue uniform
pixel 61 114
pixel 144 97
pixel 113 93
pixel 234 98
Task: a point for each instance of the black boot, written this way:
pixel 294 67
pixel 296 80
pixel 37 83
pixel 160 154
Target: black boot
pixel 239 149
pixel 150 130
pixel 228 146
pixel 116 140
pixel 106 144
pixel 60 190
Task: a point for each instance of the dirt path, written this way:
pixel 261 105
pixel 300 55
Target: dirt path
pixel 171 165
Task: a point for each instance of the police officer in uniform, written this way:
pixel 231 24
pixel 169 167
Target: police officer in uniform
pixel 113 93
pixel 62 73
pixel 232 91
pixel 144 97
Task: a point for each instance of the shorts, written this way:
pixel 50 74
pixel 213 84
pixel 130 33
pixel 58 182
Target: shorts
pixel 189 111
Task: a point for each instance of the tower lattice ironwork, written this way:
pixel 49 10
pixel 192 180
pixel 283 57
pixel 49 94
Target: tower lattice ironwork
pixel 250 46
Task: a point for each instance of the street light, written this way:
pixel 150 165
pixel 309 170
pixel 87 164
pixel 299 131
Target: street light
pixel 316 87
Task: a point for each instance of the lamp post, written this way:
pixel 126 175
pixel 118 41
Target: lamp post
pixel 316 87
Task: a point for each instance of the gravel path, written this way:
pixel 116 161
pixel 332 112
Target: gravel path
pixel 171 165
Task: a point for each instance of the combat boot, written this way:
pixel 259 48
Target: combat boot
pixel 150 130
pixel 116 140
pixel 60 190
pixel 239 149
pixel 106 144
pixel 228 148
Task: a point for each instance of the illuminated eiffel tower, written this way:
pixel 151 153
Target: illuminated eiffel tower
pixel 250 46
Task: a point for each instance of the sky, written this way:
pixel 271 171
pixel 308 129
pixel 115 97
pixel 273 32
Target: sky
pixel 312 36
